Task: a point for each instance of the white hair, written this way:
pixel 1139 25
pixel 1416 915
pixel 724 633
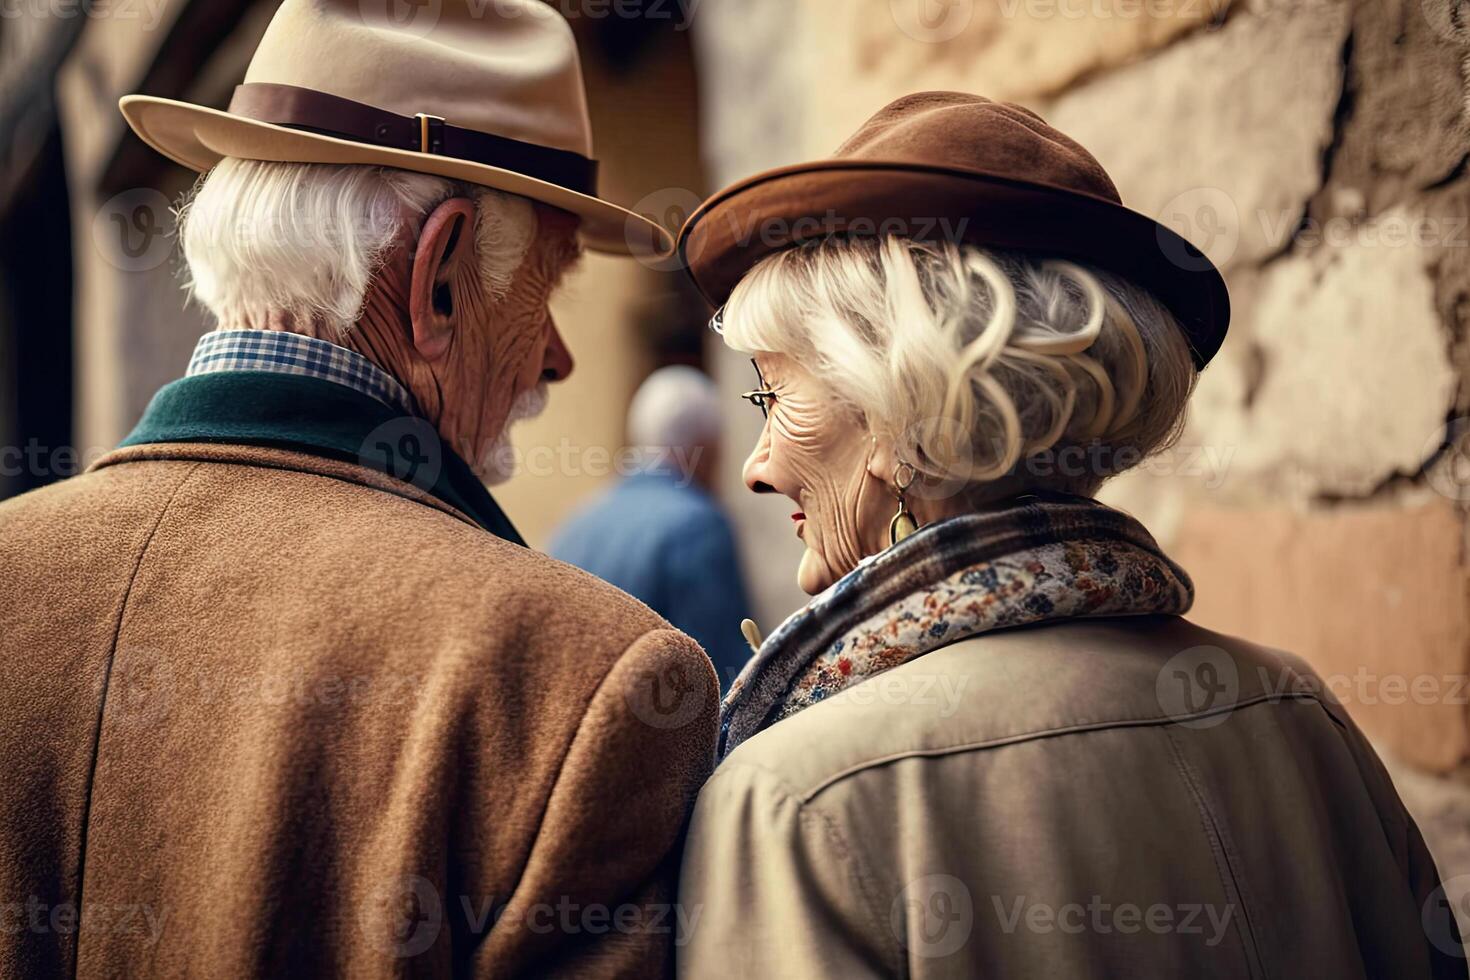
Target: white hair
pixel 306 239
pixel 675 408
pixel 977 363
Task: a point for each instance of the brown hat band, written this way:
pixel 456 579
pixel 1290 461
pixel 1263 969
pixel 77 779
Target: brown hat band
pixel 332 115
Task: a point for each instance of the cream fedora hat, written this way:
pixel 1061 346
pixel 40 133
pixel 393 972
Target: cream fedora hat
pixel 485 91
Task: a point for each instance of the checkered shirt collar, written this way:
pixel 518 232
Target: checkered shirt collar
pixel 292 353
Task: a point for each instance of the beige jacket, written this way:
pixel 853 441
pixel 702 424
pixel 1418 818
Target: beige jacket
pixel 263 714
pixel 1093 798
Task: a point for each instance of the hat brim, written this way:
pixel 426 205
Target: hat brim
pixel 199 137
pixel 736 228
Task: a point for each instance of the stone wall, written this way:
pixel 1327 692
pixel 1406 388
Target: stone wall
pixel 1316 150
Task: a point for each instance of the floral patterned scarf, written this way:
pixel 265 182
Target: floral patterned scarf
pixel 1037 558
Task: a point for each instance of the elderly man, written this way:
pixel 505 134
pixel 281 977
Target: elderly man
pixel 658 534
pixel 281 692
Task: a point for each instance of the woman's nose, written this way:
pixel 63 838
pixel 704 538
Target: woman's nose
pixel 557 362
pixel 757 464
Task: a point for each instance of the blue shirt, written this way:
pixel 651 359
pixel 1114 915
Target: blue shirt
pixel 670 546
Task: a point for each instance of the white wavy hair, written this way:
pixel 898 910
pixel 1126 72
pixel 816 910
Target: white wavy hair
pixel 979 364
pixel 306 239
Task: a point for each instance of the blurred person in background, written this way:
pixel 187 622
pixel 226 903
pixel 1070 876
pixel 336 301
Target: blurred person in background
pixel 991 745
pixel 279 680
pixel 659 533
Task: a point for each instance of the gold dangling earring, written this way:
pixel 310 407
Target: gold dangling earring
pixel 903 523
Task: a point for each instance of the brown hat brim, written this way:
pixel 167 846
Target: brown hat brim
pixel 750 220
pixel 199 137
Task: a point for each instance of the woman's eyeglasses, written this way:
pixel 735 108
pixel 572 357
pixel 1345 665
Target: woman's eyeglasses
pixel 762 397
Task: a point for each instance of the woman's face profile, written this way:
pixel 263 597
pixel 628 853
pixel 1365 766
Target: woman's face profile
pixel 816 452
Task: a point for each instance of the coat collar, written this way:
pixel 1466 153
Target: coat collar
pixel 1039 558
pixel 316 418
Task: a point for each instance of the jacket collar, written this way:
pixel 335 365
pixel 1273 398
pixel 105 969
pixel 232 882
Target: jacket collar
pixel 319 418
pixel 1038 558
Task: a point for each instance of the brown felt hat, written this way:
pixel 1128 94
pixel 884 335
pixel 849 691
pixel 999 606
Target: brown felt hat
pixel 957 167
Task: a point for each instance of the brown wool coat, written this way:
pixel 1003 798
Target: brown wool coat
pixel 263 714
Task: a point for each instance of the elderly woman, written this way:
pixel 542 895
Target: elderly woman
pixel 991 746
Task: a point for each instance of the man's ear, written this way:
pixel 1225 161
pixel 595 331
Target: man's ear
pixel 444 256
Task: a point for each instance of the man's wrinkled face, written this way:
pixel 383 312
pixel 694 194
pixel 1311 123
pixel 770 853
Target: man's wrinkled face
pixel 506 350
pixel 817 452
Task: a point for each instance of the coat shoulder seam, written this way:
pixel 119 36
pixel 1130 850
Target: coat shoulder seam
pixel 1079 728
